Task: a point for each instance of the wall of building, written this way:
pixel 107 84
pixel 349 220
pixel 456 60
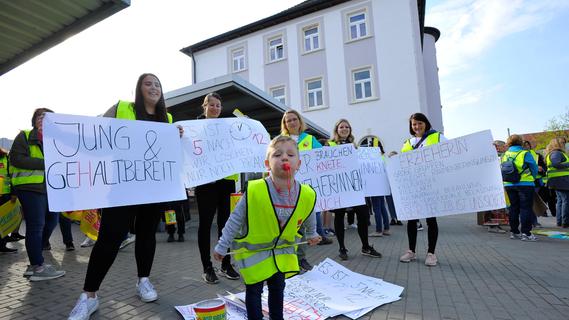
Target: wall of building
pixel 392 52
pixel 434 112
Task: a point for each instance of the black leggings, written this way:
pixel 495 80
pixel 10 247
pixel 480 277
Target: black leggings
pixel 115 223
pixel 211 198
pixel 362 213
pixel 432 234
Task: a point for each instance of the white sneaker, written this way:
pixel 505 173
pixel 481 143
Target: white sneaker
pixel 145 290
pixel 88 242
pixel 129 240
pixel 84 307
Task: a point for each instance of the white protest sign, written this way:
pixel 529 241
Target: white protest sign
pixel 94 162
pixel 334 173
pixel 372 168
pixel 216 148
pixel 461 175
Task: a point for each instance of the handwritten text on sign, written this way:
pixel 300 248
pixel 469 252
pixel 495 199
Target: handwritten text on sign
pixel 461 175
pixel 94 162
pixel 217 148
pixel 372 167
pixel 334 173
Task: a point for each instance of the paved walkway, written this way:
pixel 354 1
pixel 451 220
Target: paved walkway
pixel 480 275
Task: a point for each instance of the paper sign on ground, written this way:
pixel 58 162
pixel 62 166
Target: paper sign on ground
pixel 217 148
pixel 372 166
pixel 95 162
pixel 334 173
pixel 10 217
pixel 461 175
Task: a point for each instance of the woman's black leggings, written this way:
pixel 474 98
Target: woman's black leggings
pixel 212 197
pixel 115 223
pixel 362 213
pixel 432 234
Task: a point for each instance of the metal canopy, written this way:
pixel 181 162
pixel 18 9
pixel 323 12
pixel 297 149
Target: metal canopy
pixel 30 27
pixel 185 103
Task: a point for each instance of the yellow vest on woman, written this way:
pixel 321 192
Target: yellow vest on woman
pixel 431 139
pixel 27 176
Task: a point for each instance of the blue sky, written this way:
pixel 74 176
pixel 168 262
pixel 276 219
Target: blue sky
pixel 502 64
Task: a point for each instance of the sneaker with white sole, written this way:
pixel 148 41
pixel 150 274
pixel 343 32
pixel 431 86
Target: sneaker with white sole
pixel 408 256
pixel 88 242
pixel 129 240
pixel 46 272
pixel 230 273
pixel 376 234
pixel 145 290
pixel 84 307
pixel 515 235
pixel 530 237
pixel 29 271
pixel 431 260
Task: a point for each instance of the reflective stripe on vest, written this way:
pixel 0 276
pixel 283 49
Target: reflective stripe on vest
pixel 431 139
pixel 25 176
pixel 266 249
pixel 525 173
pixel 125 110
pixel 4 176
pixel 553 172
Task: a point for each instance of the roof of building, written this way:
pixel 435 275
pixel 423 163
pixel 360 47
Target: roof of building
pixel 299 10
pixel 28 28
pixel 185 103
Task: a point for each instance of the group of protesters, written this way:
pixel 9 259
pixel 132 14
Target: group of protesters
pixel 241 230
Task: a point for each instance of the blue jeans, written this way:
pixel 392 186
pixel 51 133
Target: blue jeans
pixel 380 213
pixel 253 292
pixel 65 227
pixel 319 229
pixel 40 223
pixel 391 207
pixel 521 201
pixel 562 207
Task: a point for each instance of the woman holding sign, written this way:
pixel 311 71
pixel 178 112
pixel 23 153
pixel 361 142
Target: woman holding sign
pixel 115 221
pixel 422 135
pixel 343 135
pixel 214 197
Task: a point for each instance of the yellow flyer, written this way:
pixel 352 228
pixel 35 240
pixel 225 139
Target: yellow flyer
pixel 10 217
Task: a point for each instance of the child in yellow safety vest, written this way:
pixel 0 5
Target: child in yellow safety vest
pixel 262 230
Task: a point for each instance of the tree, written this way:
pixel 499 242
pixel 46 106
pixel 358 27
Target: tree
pixel 556 127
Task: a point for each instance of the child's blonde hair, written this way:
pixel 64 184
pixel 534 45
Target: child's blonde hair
pixel 277 140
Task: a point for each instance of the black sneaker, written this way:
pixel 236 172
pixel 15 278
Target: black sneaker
pixel 420 227
pixel 209 276
pixel 343 254
pixel 392 222
pixel 370 252
pixel 16 236
pixel 399 223
pixel 5 249
pixel 181 238
pixel 230 273
pixel 304 265
pixel 325 241
pixel 69 247
pixel 170 238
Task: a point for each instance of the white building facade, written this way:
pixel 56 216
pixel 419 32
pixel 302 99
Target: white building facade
pixel 359 60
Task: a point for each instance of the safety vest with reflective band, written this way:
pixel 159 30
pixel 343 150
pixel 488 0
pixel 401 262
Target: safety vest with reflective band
pixel 4 176
pixel 305 143
pixel 525 173
pixel 266 248
pixel 332 143
pixel 432 138
pixel 553 172
pixel 25 176
pixel 125 110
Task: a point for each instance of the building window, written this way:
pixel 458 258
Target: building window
pixel 311 39
pixel 238 59
pixel 314 94
pixel 358 25
pixel 362 84
pixel 276 49
pixel 279 94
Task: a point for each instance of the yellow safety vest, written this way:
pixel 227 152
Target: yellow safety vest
pixel 125 110
pixel 431 139
pixel 305 143
pixel 4 176
pixel 525 173
pixel 26 176
pixel 332 143
pixel 553 172
pixel 266 249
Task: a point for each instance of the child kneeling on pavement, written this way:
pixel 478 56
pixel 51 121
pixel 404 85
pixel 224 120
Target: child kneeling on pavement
pixel 262 231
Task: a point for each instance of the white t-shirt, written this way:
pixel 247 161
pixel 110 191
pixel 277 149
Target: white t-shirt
pixel 414 140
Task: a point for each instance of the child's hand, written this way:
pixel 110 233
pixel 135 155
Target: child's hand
pixel 217 256
pixel 314 241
